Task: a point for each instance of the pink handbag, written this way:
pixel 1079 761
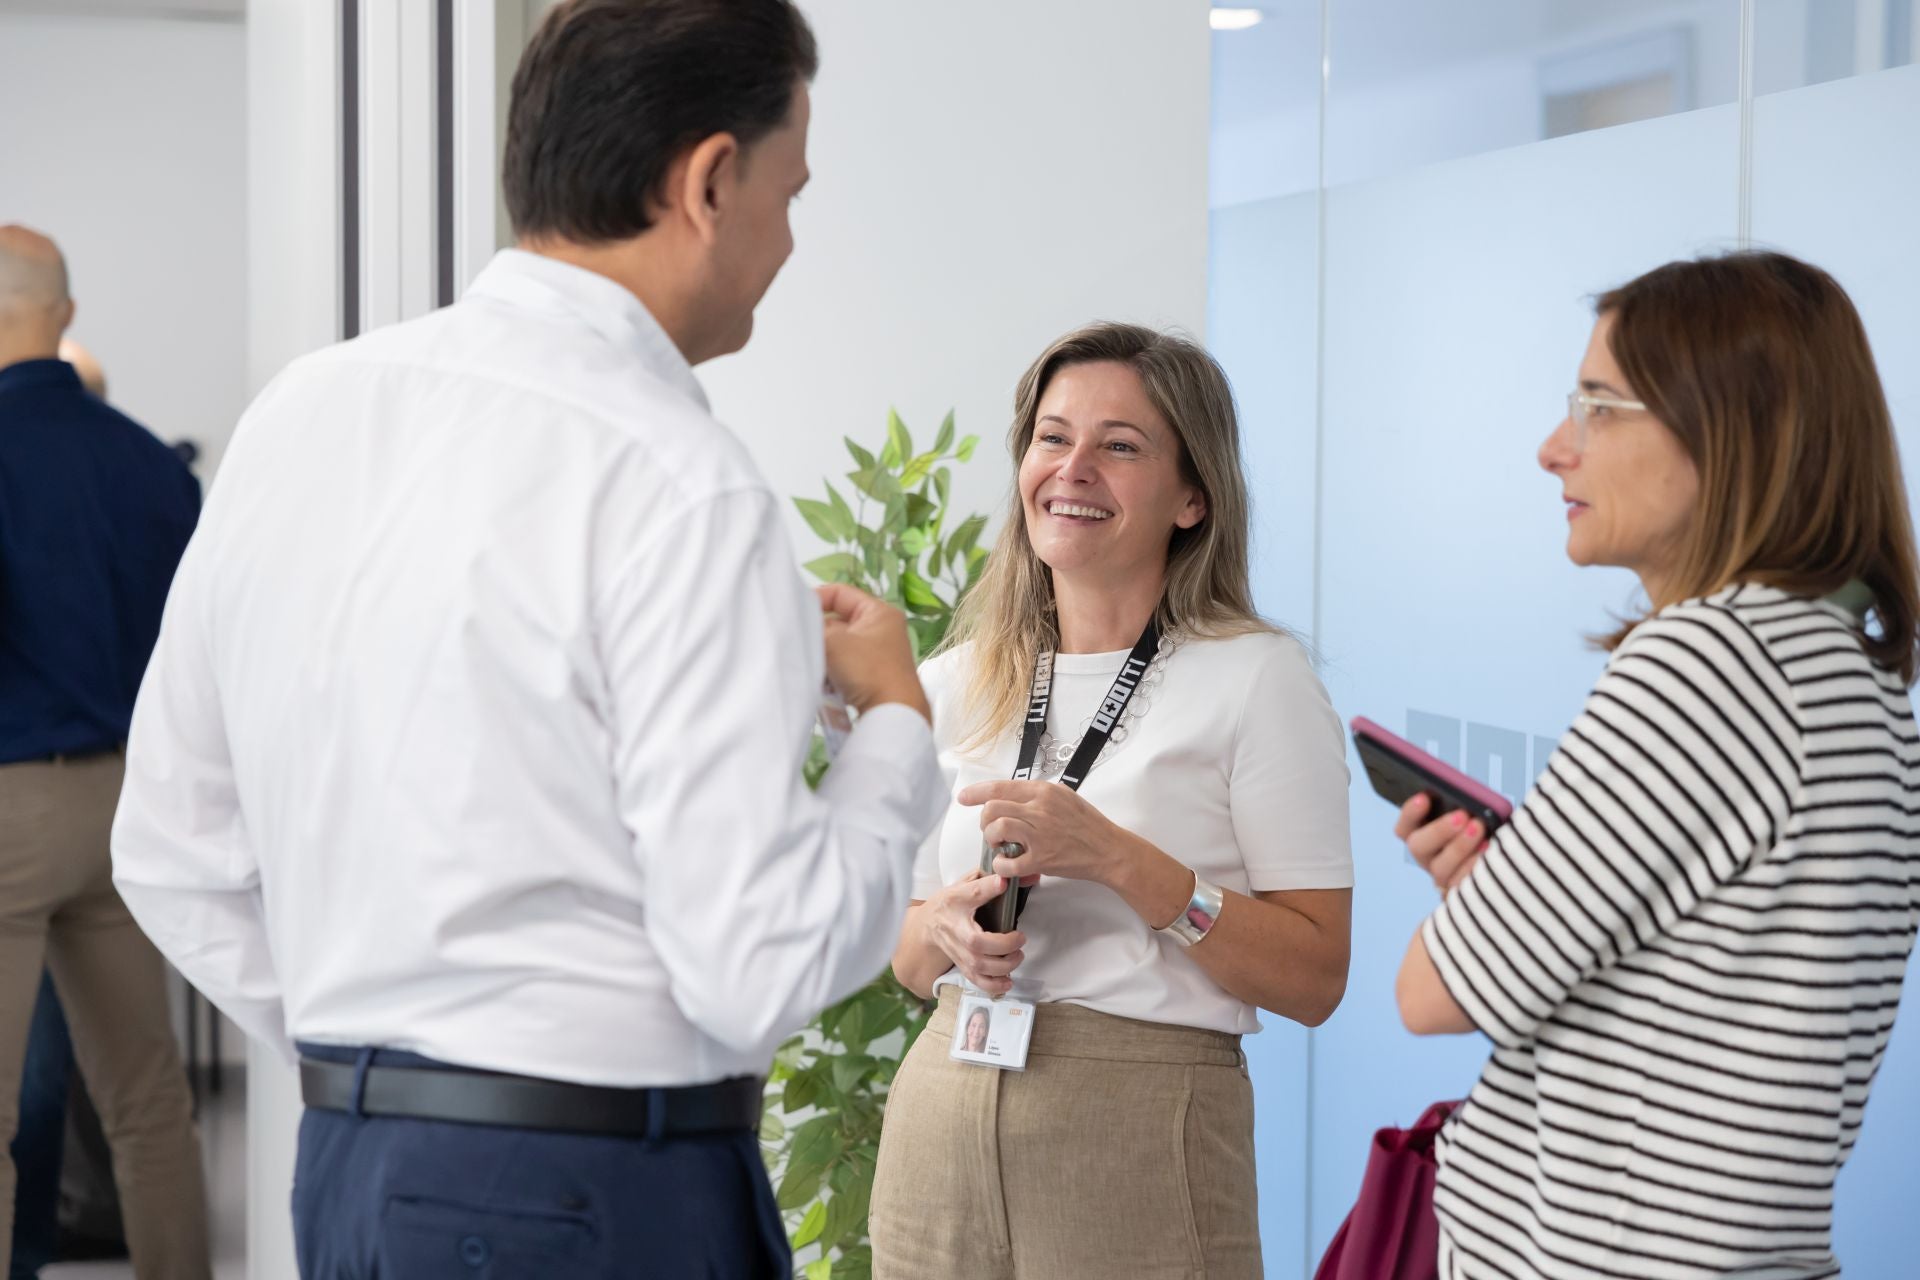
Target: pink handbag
pixel 1392 1233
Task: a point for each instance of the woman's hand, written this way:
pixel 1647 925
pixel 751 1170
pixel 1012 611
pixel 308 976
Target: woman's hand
pixel 985 959
pixel 1446 848
pixel 1059 834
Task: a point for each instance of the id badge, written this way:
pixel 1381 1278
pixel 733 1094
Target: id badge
pixel 992 1031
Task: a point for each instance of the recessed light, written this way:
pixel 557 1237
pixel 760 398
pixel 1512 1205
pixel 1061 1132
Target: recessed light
pixel 1234 19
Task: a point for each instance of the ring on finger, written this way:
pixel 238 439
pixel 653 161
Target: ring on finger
pixel 1010 849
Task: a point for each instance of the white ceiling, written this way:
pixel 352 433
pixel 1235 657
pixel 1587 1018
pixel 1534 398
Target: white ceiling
pixel 201 10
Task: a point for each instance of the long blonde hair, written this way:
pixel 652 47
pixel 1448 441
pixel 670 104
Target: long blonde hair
pixel 1010 615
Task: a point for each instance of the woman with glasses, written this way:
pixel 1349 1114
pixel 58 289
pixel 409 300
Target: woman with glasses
pixel 1182 803
pixel 1688 945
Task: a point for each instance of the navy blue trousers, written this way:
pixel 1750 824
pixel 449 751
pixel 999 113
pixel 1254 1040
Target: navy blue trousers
pixel 40 1141
pixel 378 1198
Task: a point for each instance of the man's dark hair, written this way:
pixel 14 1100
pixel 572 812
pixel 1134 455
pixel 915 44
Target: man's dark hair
pixel 609 92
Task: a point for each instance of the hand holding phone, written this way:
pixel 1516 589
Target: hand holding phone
pixel 1400 771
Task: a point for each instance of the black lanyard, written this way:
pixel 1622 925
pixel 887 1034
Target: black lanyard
pixel 1100 730
pixel 1000 915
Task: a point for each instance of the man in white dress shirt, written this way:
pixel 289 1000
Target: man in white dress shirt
pixel 469 757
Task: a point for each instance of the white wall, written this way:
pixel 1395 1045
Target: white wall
pixel 124 140
pixel 985 178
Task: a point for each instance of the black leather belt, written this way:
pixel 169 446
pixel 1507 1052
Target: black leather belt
pixel 523 1102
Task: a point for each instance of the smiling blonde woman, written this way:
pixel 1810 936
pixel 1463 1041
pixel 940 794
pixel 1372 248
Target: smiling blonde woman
pixel 1201 872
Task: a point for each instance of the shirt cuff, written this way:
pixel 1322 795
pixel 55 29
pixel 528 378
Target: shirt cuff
pixel 898 739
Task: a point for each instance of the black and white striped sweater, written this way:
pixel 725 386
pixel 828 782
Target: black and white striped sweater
pixel 1687 948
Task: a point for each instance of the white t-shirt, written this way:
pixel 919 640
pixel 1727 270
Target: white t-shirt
pixel 1236 767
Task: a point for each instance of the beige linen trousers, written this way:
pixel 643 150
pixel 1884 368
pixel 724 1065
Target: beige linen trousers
pixel 1125 1149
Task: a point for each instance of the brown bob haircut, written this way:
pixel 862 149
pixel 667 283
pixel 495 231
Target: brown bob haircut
pixel 1759 364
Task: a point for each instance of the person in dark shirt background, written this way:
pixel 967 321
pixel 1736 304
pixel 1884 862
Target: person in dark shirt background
pixel 94 514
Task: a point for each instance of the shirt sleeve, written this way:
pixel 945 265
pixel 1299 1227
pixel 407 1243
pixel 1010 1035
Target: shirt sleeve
pixel 764 901
pixel 934 678
pixel 181 857
pixel 1682 765
pixel 1288 779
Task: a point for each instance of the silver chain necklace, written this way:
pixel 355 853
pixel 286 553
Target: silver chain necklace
pixel 1054 754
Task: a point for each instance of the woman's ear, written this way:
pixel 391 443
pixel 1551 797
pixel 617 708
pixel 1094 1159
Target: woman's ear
pixel 1194 512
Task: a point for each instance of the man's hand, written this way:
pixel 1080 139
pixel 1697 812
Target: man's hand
pixel 869 655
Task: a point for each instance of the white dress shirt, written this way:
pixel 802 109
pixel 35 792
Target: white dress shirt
pixel 476 720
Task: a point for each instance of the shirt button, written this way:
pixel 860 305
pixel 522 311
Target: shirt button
pixel 474 1251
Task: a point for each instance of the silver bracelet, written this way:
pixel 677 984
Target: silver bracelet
pixel 1202 909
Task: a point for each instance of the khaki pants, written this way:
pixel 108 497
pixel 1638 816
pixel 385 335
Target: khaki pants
pixel 1124 1149
pixel 58 908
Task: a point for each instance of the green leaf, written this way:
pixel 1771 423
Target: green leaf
pixel 819 1270
pixel 964 539
pixel 942 485
pixel 965 451
pixel 820 518
pixel 918 593
pixel 841 566
pixel 860 456
pixel 876 482
pixel 812 1225
pixel 799 1186
pixel 772 1128
pixel 914 541
pixel 920 509
pixel 842 513
pixel 898 437
pixel 814 1146
pixel 894 522
pixel 917 470
pixel 847 1211
pixel 848 1070
pixel 855 1263
pixel 927 632
pixel 945 437
pixel 800 1092
pixel 812 771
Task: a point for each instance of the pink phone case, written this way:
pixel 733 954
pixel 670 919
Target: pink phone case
pixel 1440 770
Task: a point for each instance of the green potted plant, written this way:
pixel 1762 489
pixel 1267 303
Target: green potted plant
pixel 820 1130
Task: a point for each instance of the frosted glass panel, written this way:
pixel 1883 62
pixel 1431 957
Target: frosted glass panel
pixel 1488 168
pixel 1805 42
pixel 1457 308
pixel 1261 315
pixel 1834 181
pixel 1266 108
pixel 1417 83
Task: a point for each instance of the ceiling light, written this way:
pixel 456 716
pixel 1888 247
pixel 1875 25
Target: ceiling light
pixel 1234 19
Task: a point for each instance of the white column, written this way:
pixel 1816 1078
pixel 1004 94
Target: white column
pixel 397 160
pixel 294 291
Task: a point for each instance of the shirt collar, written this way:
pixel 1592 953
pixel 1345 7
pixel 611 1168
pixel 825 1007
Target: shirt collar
pixel 49 372
pixel 540 283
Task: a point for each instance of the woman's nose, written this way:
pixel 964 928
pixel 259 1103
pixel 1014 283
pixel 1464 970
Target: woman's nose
pixel 1557 451
pixel 1078 468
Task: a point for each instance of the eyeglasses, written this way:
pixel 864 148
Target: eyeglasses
pixel 1583 408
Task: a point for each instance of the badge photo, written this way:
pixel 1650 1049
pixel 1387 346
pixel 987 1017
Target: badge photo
pixel 992 1033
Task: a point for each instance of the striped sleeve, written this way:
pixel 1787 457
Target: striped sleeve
pixel 1683 764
